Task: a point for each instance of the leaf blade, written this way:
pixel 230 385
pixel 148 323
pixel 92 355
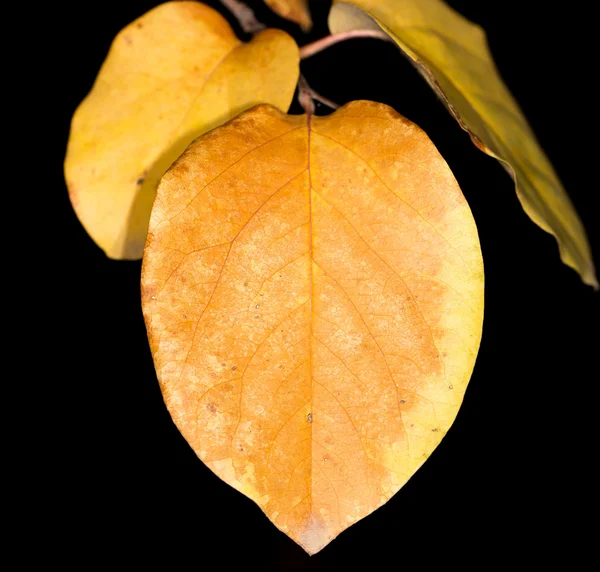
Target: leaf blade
pixel 312 350
pixel 173 74
pixel 453 56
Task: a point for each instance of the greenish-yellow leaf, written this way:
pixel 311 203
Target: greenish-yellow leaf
pixel 453 56
pixel 170 76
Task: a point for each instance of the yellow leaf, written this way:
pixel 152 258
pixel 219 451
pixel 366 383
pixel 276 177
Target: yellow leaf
pixel 294 10
pixel 173 74
pixel 453 56
pixel 314 302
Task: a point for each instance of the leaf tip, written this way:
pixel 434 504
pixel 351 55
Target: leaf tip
pixel 591 280
pixel 589 277
pixel 315 536
pixel 294 10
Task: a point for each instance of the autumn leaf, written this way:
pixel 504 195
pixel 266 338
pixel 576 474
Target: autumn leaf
pixel 294 10
pixel 453 56
pixel 173 74
pixel 313 294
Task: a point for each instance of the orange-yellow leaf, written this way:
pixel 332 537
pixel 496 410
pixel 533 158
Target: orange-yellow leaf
pixel 453 56
pixel 173 74
pixel 294 10
pixel 313 294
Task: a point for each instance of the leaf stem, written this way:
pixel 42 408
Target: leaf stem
pixel 307 95
pixel 244 15
pixel 313 48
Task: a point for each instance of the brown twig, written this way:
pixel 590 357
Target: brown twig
pixel 244 15
pixel 307 96
pixel 315 47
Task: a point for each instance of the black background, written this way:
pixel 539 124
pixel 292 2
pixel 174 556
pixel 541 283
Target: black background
pixel 514 480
